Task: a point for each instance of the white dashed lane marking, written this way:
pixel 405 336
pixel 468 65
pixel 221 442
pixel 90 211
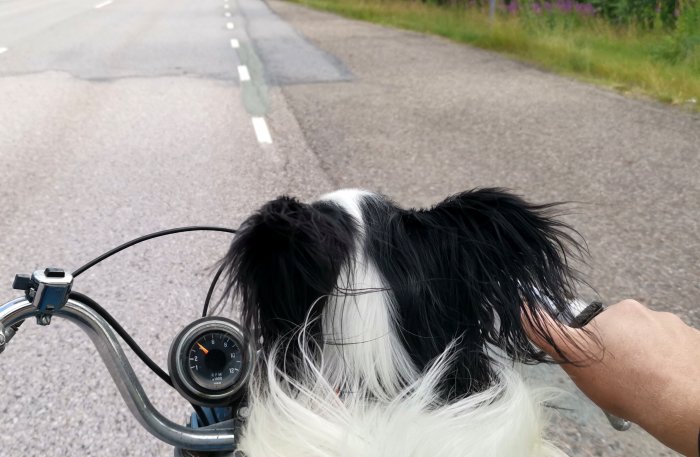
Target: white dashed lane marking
pixel 243 73
pixel 3 50
pixel 100 5
pixel 261 130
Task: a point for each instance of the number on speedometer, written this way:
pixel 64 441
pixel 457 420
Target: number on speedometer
pixel 215 361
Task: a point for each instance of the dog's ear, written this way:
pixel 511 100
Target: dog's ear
pixel 283 262
pixel 467 268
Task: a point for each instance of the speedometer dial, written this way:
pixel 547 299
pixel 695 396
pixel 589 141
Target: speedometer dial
pixel 210 361
pixel 215 360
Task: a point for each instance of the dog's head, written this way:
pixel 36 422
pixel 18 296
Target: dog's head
pixel 380 292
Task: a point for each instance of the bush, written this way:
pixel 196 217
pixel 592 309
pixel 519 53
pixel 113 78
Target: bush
pixel 683 45
pixel 644 13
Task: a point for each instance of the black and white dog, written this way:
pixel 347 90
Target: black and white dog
pixel 391 332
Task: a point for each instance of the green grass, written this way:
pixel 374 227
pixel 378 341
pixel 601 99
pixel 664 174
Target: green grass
pixel 626 59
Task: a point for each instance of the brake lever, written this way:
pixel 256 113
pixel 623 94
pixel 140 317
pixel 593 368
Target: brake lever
pixel 580 321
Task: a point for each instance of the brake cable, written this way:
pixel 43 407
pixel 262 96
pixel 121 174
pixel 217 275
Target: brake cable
pixel 150 236
pixel 210 292
pixel 113 322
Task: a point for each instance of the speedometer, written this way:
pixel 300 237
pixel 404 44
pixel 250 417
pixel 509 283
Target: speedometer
pixel 210 361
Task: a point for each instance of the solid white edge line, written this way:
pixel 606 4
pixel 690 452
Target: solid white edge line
pixel 234 43
pixel 229 25
pixel 261 130
pixel 243 73
pixel 5 49
pixel 100 5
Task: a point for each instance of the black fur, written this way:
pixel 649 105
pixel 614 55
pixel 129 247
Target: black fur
pixel 283 259
pixel 464 269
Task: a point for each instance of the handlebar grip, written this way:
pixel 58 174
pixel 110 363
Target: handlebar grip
pixel 581 320
pixel 587 315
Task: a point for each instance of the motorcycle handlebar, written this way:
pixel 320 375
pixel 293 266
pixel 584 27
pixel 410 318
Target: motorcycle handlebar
pixel 219 437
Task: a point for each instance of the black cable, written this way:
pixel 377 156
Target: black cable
pixel 92 304
pixel 110 253
pixel 123 334
pixel 119 329
pixel 203 420
pixel 205 310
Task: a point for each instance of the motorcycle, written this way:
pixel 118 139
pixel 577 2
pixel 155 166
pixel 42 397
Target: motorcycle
pixel 210 361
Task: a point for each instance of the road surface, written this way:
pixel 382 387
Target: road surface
pixel 124 117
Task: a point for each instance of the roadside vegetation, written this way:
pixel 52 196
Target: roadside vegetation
pixel 642 47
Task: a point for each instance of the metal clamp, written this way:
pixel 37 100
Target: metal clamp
pixel 47 290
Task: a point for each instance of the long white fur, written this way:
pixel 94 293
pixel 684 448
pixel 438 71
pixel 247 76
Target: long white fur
pixel 307 417
pixel 360 395
pixel 362 349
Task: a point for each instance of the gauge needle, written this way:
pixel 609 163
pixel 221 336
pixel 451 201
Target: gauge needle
pixel 204 350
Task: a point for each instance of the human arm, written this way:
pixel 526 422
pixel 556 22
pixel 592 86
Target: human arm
pixel 638 364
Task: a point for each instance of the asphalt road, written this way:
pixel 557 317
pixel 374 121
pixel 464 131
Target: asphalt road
pixel 137 116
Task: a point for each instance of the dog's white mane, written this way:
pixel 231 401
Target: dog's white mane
pixel 308 417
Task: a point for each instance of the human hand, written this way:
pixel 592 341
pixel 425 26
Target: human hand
pixel 638 364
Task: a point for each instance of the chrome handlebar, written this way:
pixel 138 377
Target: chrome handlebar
pixel 219 437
